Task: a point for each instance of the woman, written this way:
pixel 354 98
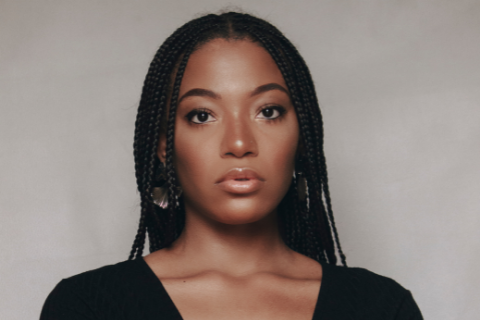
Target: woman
pixel 233 182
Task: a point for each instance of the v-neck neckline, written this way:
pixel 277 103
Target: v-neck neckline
pixel 163 292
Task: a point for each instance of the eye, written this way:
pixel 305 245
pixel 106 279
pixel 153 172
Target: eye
pixel 200 116
pixel 271 113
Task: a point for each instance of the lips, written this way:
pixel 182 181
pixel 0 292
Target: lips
pixel 240 181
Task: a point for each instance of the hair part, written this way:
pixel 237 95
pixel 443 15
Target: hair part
pixel 307 227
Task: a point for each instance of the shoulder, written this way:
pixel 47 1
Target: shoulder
pixel 106 280
pixel 362 280
pixel 120 273
pixel 109 292
pixel 366 293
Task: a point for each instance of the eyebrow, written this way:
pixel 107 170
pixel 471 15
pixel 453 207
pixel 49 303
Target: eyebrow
pixel 208 93
pixel 268 87
pixel 200 93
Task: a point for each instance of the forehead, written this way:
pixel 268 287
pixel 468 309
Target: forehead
pixel 227 65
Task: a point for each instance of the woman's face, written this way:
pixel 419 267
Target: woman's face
pixel 236 133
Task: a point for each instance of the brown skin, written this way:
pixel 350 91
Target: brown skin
pixel 230 261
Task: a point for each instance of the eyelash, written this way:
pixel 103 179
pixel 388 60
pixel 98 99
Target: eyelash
pixel 195 112
pixel 281 110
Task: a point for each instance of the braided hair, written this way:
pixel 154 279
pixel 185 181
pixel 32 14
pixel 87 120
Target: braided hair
pixel 306 225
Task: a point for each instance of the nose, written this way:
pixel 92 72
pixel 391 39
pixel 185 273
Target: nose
pixel 239 139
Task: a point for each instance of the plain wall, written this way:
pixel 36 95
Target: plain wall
pixel 399 86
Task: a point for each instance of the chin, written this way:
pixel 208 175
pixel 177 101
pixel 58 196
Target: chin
pixel 238 218
pixel 241 212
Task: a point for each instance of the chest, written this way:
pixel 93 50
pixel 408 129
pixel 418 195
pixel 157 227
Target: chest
pixel 215 297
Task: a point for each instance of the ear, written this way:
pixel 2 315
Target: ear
pixel 162 147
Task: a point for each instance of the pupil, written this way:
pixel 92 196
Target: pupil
pixel 268 112
pixel 202 116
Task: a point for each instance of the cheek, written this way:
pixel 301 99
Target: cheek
pixel 282 160
pixel 281 149
pixel 194 153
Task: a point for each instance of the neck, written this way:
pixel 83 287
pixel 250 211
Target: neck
pixel 234 249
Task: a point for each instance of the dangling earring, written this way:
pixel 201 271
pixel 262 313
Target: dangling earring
pixel 160 192
pixel 301 180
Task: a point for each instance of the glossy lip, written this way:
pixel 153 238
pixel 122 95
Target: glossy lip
pixel 240 181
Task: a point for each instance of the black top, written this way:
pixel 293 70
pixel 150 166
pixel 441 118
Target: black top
pixel 130 290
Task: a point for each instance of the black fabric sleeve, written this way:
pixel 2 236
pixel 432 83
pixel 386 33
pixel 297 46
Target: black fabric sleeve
pixel 356 293
pixel 128 290
pixel 408 309
pixel 64 303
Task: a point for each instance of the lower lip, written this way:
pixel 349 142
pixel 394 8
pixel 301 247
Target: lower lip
pixel 240 186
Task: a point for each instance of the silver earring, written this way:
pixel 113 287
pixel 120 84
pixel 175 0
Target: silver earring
pixel 301 181
pixel 160 192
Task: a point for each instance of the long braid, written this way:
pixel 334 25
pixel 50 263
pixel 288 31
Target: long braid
pixel 324 223
pixel 318 125
pixel 171 178
pixel 306 226
pixel 308 86
pixel 310 91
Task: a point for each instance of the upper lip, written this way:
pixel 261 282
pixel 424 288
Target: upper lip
pixel 240 173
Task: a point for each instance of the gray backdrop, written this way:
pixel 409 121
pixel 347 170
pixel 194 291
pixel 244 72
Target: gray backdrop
pixel 399 86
